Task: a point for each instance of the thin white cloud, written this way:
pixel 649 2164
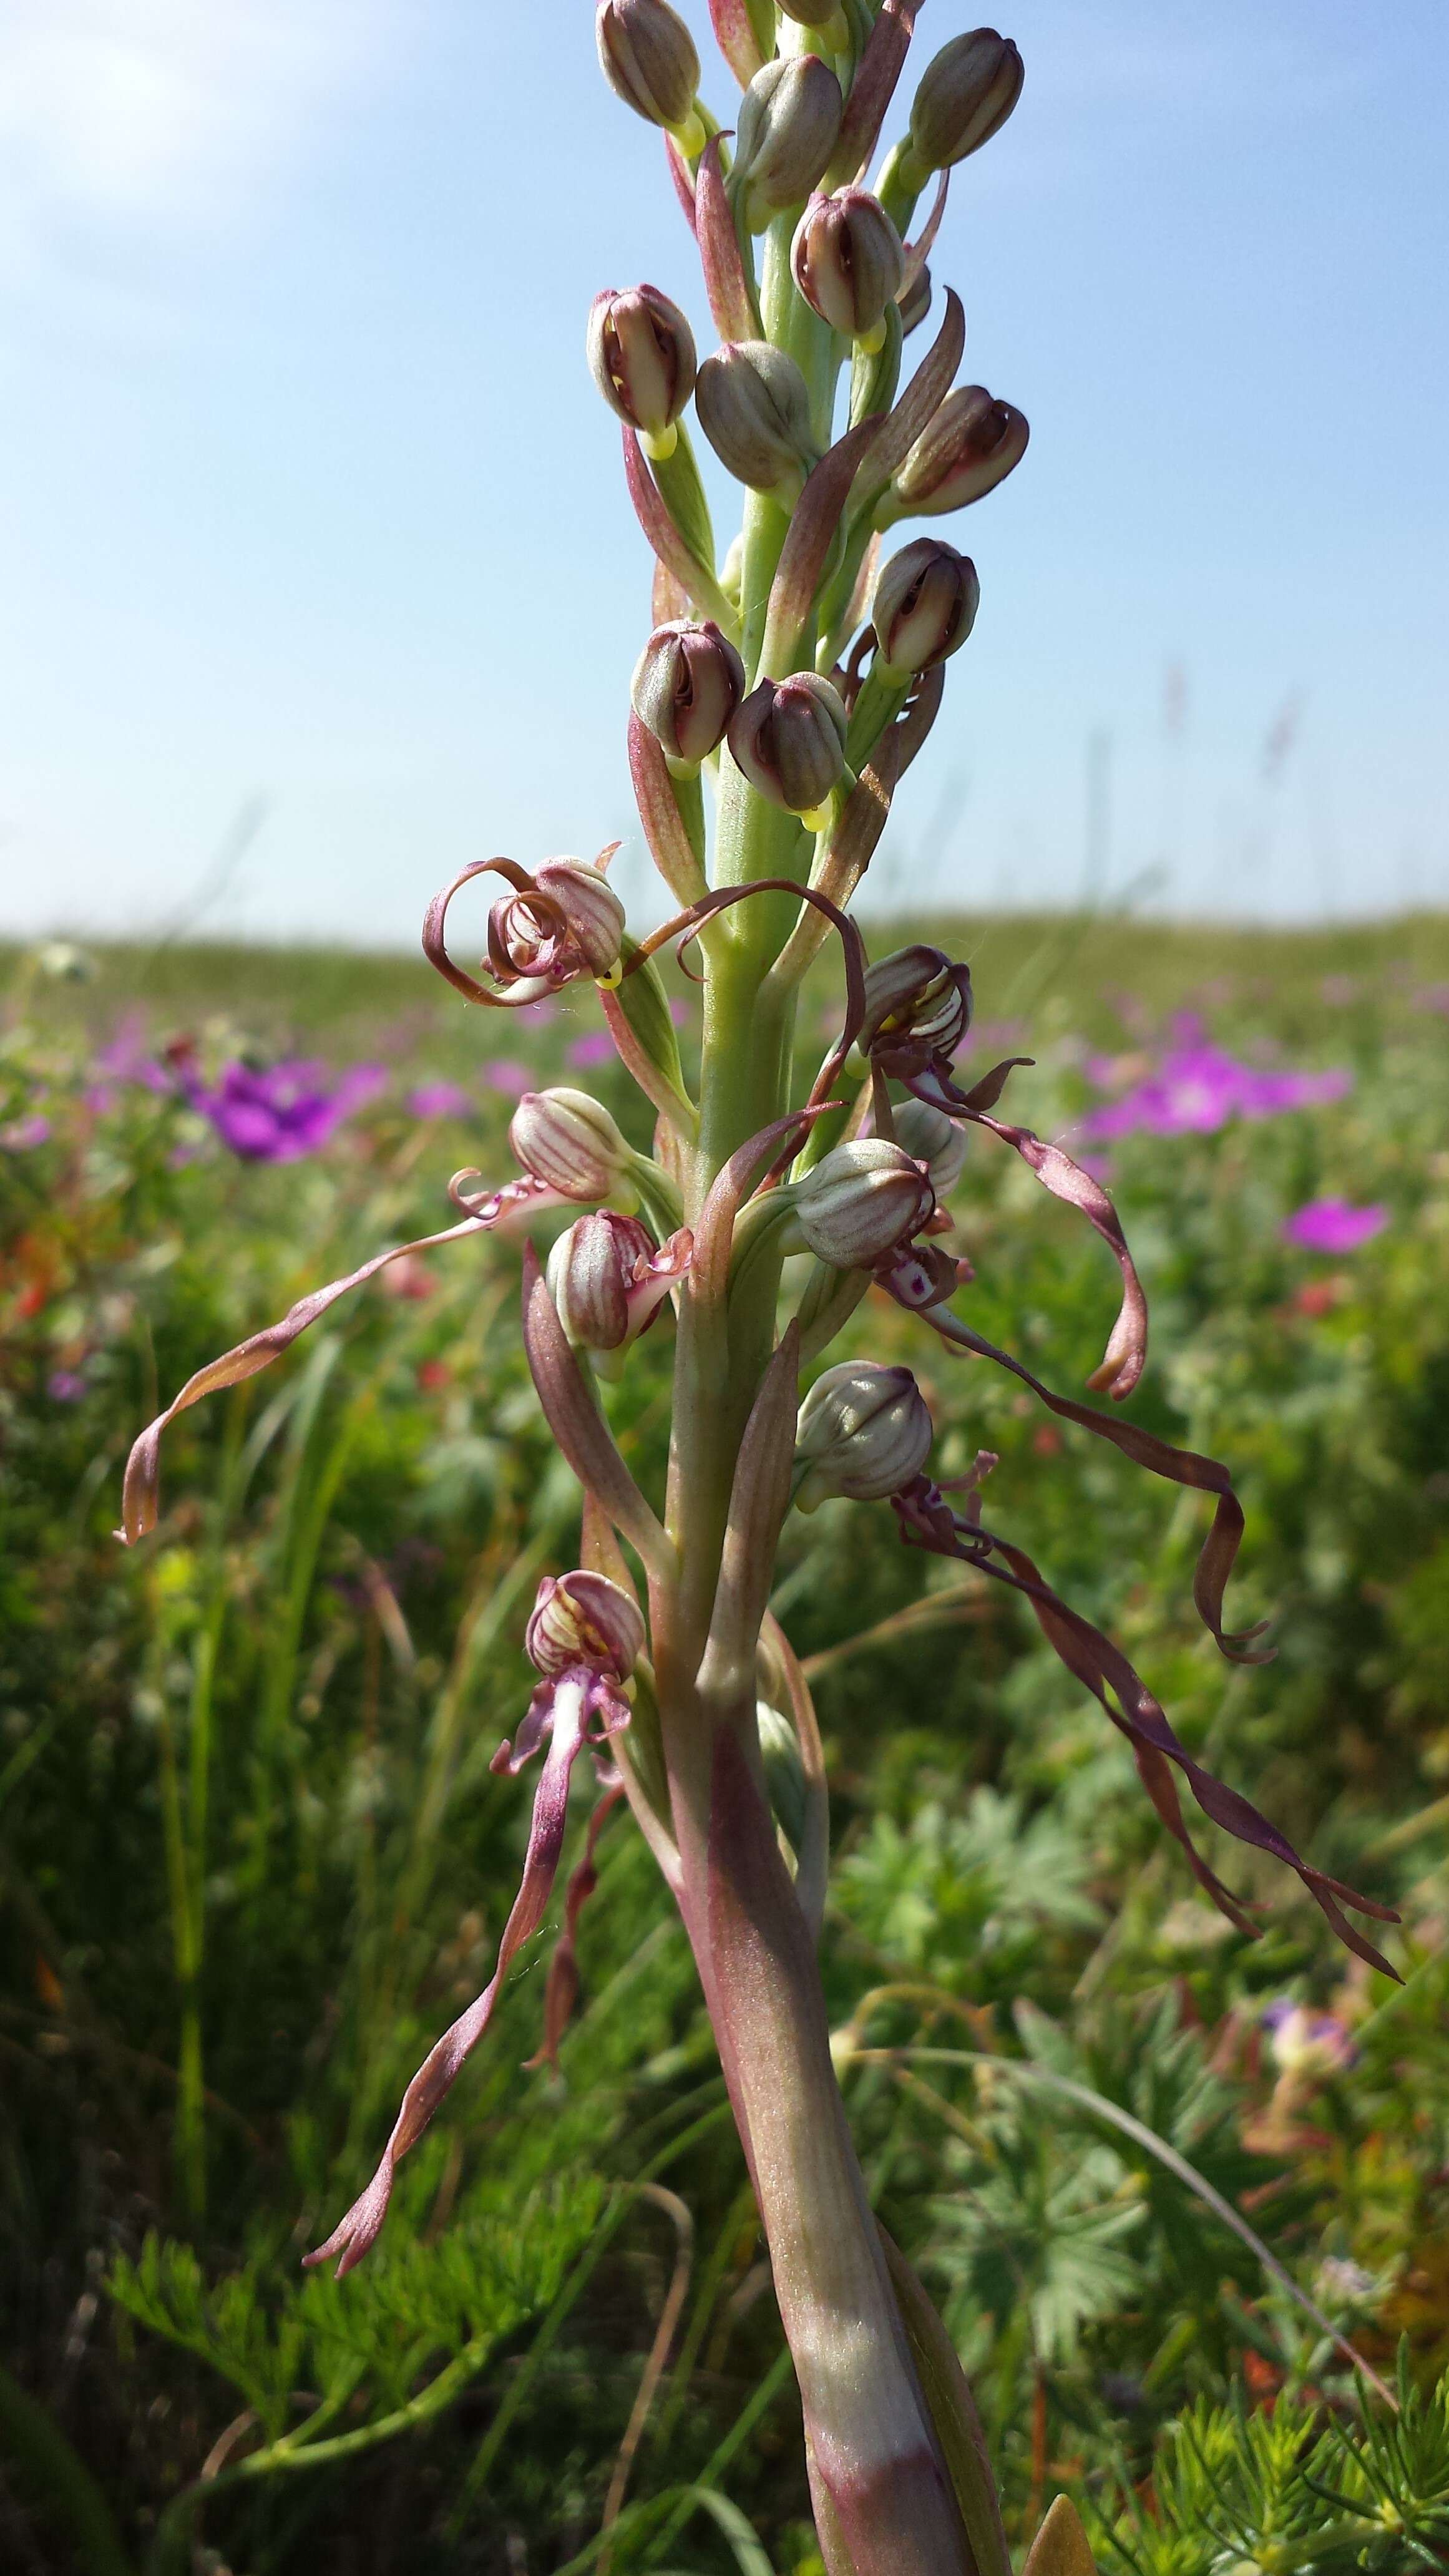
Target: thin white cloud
pixel 150 108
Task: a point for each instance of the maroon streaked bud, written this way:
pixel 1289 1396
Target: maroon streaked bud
pixel 966 95
pixel 786 130
pixel 754 408
pixel 568 922
pixel 642 357
pixel 789 739
pixel 608 1280
pixel 583 1618
pixel 930 1137
pixel 925 605
pixel 917 1009
pixel 968 448
pixel 848 263
pixel 915 301
pixel 862 1432
pixel 860 1201
pixel 687 683
pixel 648 58
pixel 570 1141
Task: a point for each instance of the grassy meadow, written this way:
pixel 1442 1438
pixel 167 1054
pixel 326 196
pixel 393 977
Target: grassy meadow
pixel 1168 2185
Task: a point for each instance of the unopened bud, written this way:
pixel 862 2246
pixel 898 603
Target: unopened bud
pixel 687 683
pixel 641 352
pixel 788 123
pixel 966 450
pixel 917 1009
pixel 789 739
pixel 863 1432
pixel 649 61
pixel 930 1137
pixel 860 1201
pixel 754 408
pixel 608 1281
pixel 565 1138
pixel 583 1618
pixel 966 94
pixel 848 263
pixel 784 1771
pixel 925 605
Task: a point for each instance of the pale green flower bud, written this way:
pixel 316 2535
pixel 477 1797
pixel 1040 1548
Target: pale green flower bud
pixel 789 739
pixel 789 119
pixel 642 357
pixel 848 263
pixel 687 683
pixel 860 1201
pixel 648 58
pixel 925 605
pixel 966 95
pixel 965 451
pixel 930 1137
pixel 565 1138
pixel 754 408
pixel 862 1432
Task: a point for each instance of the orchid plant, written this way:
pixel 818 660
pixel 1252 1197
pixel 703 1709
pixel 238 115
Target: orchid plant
pixel 798 676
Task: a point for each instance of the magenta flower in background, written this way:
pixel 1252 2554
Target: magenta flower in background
pixel 1334 1225
pixel 65 1386
pixel 439 1100
pixel 279 1113
pixel 1197 1088
pixel 504 1073
pixel 22 1135
pixel 596 1048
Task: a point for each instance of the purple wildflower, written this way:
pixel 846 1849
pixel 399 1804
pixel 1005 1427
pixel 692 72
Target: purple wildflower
pixel 1308 2043
pixel 504 1073
pixel 1334 1225
pixel 1433 997
pixel 1197 1088
pixel 595 1048
pixel 281 1112
pixel 439 1100
pixel 22 1135
pixel 65 1386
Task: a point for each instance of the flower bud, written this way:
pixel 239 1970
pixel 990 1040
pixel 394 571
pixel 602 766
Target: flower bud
pixel 848 263
pixel 568 922
pixel 966 93
pixel 930 1137
pixel 917 1009
pixel 687 683
pixel 565 1138
pixel 641 352
pixel 789 739
pixel 583 1618
pixel 860 1201
pixel 966 450
pixel 608 1281
pixel 784 1771
pixel 754 408
pixel 789 119
pixel 925 604
pixel 863 1432
pixel 649 61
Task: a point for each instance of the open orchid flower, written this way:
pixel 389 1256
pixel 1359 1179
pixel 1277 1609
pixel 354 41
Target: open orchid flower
pixel 559 924
pixel 585 1636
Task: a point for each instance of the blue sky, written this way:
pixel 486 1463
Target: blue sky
pixel 318 574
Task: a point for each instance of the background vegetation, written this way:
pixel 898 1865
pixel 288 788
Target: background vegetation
pixel 252 1857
